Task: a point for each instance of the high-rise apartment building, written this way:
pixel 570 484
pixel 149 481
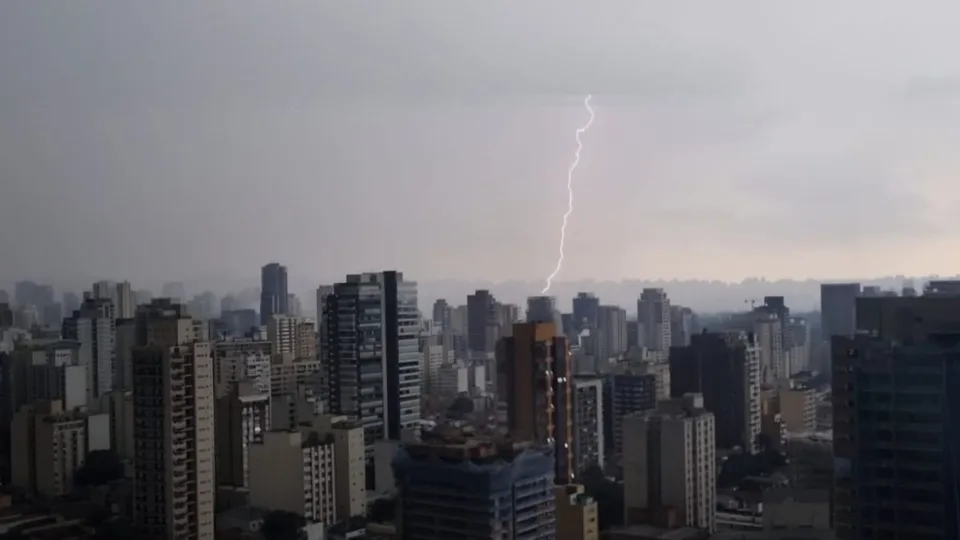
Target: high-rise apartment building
pixel 94 326
pixel 173 410
pixel 474 488
pixel 768 332
pixel 838 309
pixel 242 418
pixel 629 391
pixel 481 322
pixel 293 337
pixel 543 309
pixel 349 462
pixel 536 378
pixel 373 354
pixel 126 304
pixel 610 332
pixel 45 371
pixel 441 314
pixel 653 314
pixel 50 444
pixel 273 292
pixel 681 326
pixel 724 368
pixel 588 422
pixel 669 465
pixel 294 471
pixel 242 360
pixel 895 411
pixel 586 309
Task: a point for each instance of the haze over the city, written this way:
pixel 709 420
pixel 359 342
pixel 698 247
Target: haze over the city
pixel 155 142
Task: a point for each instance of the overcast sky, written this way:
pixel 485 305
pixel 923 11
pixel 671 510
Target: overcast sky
pixel 170 140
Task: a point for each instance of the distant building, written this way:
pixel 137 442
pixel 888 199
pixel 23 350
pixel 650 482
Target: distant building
pixel 273 292
pixel 653 314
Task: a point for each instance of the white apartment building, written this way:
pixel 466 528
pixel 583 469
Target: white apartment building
pixel 293 337
pixel 173 433
pixel 295 472
pixel 669 461
pixel 769 338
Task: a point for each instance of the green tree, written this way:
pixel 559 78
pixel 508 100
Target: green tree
pixel 283 525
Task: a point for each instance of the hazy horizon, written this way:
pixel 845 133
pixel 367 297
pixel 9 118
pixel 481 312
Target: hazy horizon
pixel 155 141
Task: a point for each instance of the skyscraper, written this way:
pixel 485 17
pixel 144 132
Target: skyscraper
pixel 896 441
pixel 125 300
pixel 610 332
pixel 669 464
pixel 173 410
pixel 442 314
pixel 838 309
pixel 536 372
pixel 94 326
pixel 585 311
pixel 543 309
pixel 481 322
pixel 653 314
pixel 273 291
pixel 373 354
pixel 724 368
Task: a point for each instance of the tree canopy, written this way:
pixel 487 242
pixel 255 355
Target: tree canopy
pixel 283 525
pixel 99 468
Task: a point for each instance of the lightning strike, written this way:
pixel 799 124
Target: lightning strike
pixel 570 171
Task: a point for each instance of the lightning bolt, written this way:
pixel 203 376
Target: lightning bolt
pixel 570 171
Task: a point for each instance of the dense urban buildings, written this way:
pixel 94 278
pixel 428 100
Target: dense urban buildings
pixel 220 419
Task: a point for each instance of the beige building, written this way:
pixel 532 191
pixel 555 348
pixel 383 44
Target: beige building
pixel 50 444
pixel 288 375
pixel 240 360
pixel 669 467
pixel 293 337
pixel 798 409
pixel 348 454
pixel 295 472
pixel 173 394
pixel 243 416
pixel 576 514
